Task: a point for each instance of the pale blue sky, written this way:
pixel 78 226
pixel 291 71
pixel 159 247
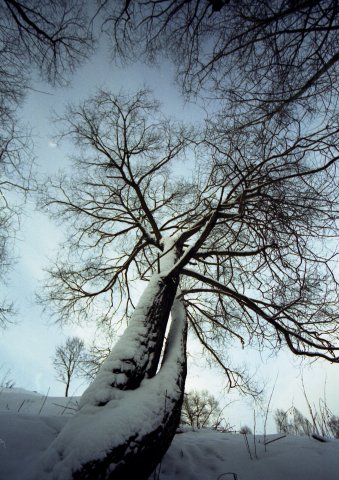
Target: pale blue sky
pixel 26 348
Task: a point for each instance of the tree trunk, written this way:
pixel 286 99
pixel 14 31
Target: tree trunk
pixel 128 416
pixel 137 354
pixel 138 456
pixel 67 388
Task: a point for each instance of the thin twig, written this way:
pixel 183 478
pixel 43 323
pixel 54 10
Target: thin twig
pixel 44 400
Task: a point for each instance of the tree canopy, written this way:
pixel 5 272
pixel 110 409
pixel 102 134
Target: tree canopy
pixel 251 224
pixel 262 57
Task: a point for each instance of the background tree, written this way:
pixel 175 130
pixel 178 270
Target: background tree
pixel 333 424
pixel 50 38
pixel 68 361
pixel 200 409
pixel 292 422
pixel 238 250
pixel 323 421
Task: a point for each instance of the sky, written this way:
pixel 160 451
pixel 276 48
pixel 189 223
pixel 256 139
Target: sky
pixel 28 346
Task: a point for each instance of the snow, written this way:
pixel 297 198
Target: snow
pixel 169 256
pixel 129 347
pixel 200 455
pixel 207 454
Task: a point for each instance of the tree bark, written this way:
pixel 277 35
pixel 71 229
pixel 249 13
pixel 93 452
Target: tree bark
pixel 67 388
pixel 138 456
pixel 136 355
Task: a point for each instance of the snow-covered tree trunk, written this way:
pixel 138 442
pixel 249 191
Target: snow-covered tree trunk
pixel 136 355
pixel 147 417
pixel 128 416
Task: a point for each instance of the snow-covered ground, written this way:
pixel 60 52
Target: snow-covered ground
pixel 30 421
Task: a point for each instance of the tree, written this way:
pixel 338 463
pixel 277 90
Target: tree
pixel 285 52
pixel 242 251
pixel 237 251
pixel 292 422
pixel 68 359
pixel 200 409
pixel 323 421
pixel 333 425
pixel 281 421
pixel 51 38
pixel 16 161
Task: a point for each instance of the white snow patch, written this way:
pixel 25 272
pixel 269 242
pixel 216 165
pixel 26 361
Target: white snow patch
pixel 201 455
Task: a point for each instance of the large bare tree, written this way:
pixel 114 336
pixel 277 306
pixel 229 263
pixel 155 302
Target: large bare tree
pixel 242 247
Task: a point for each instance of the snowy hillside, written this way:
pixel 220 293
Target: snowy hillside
pixel 29 422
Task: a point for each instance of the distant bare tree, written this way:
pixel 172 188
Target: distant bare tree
pixel 245 430
pixel 200 409
pixel 68 359
pixel 281 421
pixel 292 422
pixel 333 425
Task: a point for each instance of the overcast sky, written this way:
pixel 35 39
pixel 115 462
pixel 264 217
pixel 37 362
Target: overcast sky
pixel 27 347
